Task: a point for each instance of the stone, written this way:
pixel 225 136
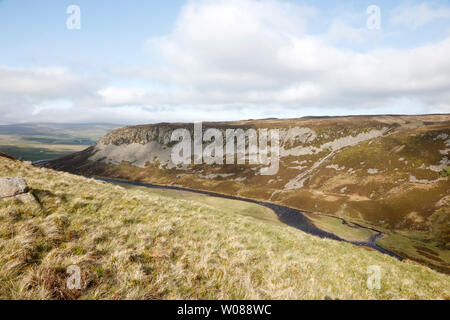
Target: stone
pixel 10 187
pixel 26 198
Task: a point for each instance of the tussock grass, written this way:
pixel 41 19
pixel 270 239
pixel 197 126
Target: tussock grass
pixel 135 244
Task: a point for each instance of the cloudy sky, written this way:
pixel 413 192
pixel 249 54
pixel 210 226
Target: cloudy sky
pixel 151 61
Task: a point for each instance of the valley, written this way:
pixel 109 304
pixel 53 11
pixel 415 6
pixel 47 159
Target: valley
pixel 387 173
pixel 133 242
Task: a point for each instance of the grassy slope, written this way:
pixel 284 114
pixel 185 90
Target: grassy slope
pixel 232 206
pixel 133 243
pixel 336 226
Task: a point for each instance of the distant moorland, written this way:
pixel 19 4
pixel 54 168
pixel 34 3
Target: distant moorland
pixel 34 142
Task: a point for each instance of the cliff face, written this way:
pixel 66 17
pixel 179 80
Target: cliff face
pixel 389 171
pixel 139 134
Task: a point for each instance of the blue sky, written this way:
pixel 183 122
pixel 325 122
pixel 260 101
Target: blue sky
pixel 149 61
pixel 36 30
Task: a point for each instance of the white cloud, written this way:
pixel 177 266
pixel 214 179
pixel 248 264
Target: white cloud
pixel 30 94
pixel 118 96
pixel 232 59
pixel 415 16
pixel 49 81
pixel 235 56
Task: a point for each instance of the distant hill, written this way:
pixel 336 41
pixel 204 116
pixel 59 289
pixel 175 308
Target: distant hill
pixel 93 131
pixel 388 172
pixel 49 140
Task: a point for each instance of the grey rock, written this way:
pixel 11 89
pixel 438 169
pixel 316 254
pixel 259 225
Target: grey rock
pixel 26 198
pixel 10 187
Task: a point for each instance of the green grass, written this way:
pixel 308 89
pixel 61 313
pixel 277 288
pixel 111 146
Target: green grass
pixel 335 226
pixel 140 244
pixel 37 152
pixel 415 246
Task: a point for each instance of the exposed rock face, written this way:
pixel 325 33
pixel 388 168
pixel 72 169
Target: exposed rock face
pixel 136 153
pixel 10 187
pixel 139 135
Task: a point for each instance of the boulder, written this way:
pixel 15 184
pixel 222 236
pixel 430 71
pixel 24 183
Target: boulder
pixel 10 187
pixel 26 198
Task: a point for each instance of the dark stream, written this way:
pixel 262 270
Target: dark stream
pixel 290 216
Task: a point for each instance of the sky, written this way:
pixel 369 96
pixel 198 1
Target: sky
pixel 131 62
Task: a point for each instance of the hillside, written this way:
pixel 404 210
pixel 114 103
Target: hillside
pixel 388 172
pixel 146 244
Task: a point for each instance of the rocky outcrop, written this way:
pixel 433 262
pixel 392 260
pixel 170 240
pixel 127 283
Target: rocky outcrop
pixel 139 135
pixel 16 188
pixel 10 187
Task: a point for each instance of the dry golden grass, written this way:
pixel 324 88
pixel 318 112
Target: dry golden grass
pixel 138 244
